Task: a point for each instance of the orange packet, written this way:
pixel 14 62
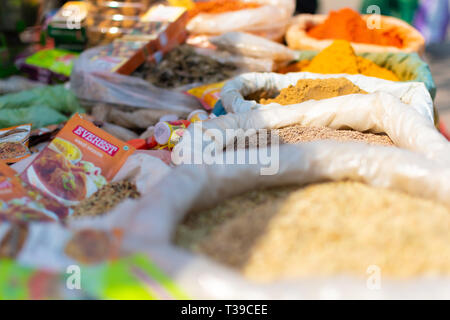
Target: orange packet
pixel 20 204
pixel 14 143
pixel 79 161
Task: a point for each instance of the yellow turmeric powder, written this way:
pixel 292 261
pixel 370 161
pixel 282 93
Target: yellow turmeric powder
pixel 340 57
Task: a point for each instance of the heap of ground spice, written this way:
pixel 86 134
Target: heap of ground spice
pixel 106 199
pixel 323 229
pixel 347 24
pixel 221 6
pixel 340 57
pixel 314 89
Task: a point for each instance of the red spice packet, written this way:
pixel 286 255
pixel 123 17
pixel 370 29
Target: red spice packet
pixel 19 203
pixel 79 161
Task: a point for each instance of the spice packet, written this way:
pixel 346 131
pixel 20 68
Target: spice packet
pixel 14 143
pixel 208 95
pixel 19 203
pixel 79 161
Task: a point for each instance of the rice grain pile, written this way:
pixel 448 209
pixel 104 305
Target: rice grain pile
pixel 321 230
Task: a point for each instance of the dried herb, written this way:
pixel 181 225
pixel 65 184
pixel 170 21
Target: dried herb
pixel 183 66
pixel 323 229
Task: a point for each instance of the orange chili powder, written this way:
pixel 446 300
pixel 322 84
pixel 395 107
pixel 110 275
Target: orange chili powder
pixel 347 24
pixel 221 6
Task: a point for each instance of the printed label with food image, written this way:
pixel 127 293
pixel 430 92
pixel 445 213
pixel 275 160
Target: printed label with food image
pixel 14 143
pixel 19 203
pixel 79 161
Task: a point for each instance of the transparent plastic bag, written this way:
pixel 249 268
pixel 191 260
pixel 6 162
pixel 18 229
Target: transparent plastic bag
pixel 414 94
pixel 298 39
pixel 277 12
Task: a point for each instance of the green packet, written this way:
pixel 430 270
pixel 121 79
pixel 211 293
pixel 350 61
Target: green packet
pixel 56 60
pixel 135 277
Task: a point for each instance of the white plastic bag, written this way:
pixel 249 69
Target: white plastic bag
pixel 152 221
pixel 270 20
pixel 90 82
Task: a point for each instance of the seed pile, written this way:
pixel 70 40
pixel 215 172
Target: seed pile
pixel 106 199
pixel 183 66
pixel 297 133
pixel 321 230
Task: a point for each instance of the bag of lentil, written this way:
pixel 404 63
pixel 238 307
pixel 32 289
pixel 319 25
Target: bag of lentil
pixel 298 39
pixel 297 242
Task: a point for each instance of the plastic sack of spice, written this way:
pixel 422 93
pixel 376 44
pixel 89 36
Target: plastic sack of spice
pixel 219 16
pixel 373 33
pixel 41 106
pixel 120 279
pixel 235 91
pixel 249 45
pixel 19 203
pixel 16 84
pixel 153 221
pixel 99 86
pixel 79 161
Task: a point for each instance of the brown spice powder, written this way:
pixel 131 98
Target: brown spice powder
pixel 106 199
pixel 314 89
pixel 297 133
pixel 322 230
